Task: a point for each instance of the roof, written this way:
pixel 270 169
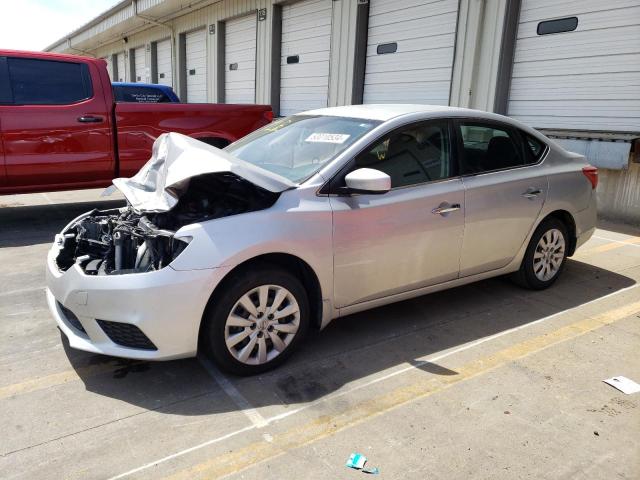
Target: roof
pixel 384 112
pixel 47 55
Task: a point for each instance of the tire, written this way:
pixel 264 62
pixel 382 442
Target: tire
pixel 243 342
pixel 543 263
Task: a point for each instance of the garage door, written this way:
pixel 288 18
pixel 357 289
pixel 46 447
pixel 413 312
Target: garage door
pixel 196 46
pixel 163 65
pixel 140 63
pixel 240 60
pixel 121 71
pixel 586 75
pixel 410 47
pixel 306 45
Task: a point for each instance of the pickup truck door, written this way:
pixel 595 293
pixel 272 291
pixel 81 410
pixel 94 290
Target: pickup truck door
pixel 57 128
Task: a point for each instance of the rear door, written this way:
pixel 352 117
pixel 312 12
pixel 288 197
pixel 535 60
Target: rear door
pixel 57 129
pixel 505 189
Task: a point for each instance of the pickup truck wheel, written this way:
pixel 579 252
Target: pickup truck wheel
pixel 545 257
pixel 257 322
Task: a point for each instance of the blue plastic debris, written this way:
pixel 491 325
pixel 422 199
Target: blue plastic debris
pixel 356 460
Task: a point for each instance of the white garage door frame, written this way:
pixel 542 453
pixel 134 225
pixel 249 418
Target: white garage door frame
pixel 584 79
pixel 236 58
pixel 301 57
pixel 162 62
pixel 410 51
pixel 193 71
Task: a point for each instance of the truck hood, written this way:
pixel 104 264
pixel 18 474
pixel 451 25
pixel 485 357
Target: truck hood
pixel 176 159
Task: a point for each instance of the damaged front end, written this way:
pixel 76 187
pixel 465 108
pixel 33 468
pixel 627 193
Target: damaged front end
pixel 112 242
pixel 185 182
pixel 120 241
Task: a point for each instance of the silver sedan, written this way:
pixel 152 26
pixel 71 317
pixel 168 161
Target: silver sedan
pixel 239 252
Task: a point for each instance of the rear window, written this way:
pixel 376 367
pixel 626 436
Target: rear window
pixel 140 94
pixel 48 82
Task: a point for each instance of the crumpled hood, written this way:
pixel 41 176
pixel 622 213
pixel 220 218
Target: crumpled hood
pixel 177 158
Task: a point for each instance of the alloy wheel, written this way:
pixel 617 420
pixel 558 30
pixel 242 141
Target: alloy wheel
pixel 549 255
pixel 262 324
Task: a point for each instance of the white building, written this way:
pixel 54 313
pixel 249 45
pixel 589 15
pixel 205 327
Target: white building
pixel 568 67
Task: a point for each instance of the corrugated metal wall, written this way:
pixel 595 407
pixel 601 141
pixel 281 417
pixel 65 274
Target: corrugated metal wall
pixel 585 78
pixel 343 41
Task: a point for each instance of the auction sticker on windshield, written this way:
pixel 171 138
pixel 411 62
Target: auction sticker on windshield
pixel 327 138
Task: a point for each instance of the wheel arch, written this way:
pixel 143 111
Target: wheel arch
pixel 289 262
pixel 567 219
pixel 218 142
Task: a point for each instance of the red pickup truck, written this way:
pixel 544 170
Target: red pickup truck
pixel 60 128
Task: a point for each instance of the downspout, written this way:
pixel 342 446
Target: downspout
pixel 174 63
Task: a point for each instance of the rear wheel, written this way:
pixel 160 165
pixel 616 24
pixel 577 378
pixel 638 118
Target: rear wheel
pixel 257 321
pixel 545 257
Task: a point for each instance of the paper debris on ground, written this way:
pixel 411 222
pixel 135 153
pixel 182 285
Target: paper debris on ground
pixel 624 384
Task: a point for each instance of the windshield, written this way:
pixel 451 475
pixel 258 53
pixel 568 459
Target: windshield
pixel 297 147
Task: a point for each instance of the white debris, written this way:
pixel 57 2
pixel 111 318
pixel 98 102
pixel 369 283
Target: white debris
pixel 623 384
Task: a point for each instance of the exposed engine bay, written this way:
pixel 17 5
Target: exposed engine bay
pixel 122 241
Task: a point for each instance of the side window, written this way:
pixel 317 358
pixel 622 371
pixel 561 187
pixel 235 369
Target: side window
pixel 48 82
pixel 533 148
pixel 5 87
pixel 413 155
pixel 488 147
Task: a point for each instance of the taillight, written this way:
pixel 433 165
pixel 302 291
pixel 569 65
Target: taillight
pixel 268 116
pixel 592 175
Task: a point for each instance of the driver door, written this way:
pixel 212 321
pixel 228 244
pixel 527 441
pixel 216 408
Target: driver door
pixel 401 240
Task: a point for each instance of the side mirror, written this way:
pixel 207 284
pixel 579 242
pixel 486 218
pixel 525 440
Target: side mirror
pixel 368 180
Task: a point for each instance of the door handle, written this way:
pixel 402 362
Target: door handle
pixel 90 119
pixel 532 193
pixel 445 210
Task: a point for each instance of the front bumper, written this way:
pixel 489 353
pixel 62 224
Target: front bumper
pixel 165 305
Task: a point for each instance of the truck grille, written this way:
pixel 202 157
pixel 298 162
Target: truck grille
pixel 126 335
pixel 71 318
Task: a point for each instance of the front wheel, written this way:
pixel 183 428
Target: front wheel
pixel 257 321
pixel 545 257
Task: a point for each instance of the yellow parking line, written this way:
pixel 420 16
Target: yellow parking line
pixel 325 426
pixel 609 246
pixel 54 379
